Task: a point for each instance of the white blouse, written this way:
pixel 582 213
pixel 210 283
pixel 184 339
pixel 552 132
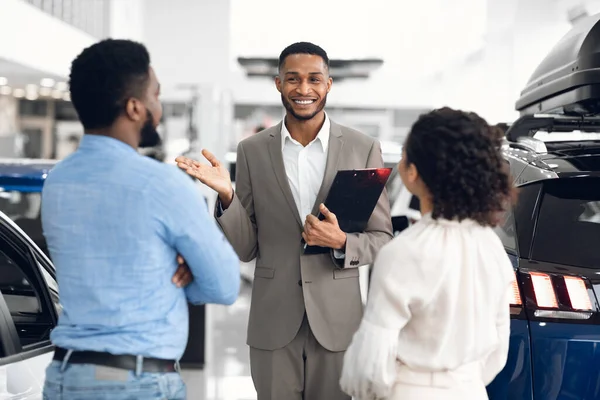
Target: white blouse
pixel 438 300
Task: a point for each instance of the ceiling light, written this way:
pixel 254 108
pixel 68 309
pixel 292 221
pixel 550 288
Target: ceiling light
pixel 32 96
pixel 62 86
pixel 67 96
pixel 3 81
pixel 57 94
pixel 45 91
pixel 31 88
pixel 6 90
pixel 47 82
pixel 19 93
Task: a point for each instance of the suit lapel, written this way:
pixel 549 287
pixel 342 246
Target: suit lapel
pixel 279 169
pixel 336 144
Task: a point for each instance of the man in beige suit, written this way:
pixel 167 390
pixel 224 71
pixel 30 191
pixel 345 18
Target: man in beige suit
pixel 305 308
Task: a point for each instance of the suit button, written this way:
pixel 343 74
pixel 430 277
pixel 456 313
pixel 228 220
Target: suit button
pixel 300 283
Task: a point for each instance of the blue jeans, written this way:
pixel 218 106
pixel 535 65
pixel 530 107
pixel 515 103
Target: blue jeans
pixel 93 382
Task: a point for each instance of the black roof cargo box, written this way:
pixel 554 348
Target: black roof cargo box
pixel 567 81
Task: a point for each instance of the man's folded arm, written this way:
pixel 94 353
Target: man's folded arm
pixel 210 257
pixel 362 248
pixel 237 221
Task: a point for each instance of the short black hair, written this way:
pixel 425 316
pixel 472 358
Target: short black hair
pixel 303 48
pixel 104 76
pixel 458 156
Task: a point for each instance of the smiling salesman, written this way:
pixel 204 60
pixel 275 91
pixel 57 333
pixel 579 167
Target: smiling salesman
pixel 305 308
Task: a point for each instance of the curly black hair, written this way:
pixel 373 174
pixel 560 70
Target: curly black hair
pixel 458 156
pixel 104 76
pixel 303 48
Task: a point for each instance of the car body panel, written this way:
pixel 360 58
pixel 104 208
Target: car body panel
pixel 566 359
pixel 23 172
pixel 22 375
pixel 24 379
pixel 515 380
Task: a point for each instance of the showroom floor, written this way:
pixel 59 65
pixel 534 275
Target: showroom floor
pixel 226 375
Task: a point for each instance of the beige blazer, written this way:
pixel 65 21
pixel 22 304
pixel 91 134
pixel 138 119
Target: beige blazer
pixel 263 223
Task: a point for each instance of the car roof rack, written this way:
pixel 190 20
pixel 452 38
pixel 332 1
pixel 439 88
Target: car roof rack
pixel 528 125
pixel 532 144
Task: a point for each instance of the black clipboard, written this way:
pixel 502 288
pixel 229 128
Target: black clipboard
pixel 352 198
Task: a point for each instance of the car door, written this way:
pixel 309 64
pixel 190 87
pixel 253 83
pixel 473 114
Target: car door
pixel 28 315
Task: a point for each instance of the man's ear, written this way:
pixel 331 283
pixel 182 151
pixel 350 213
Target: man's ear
pixel 135 110
pixel 278 83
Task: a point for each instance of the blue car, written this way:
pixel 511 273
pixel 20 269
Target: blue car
pixel 553 151
pixel 551 237
pixel 21 183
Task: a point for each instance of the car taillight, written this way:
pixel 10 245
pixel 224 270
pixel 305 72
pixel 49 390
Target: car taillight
pixel 543 290
pixel 515 299
pixel 557 296
pixel 578 293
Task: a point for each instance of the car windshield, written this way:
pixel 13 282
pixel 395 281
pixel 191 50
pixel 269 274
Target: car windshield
pixel 568 226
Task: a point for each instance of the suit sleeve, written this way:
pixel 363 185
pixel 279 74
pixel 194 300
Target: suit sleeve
pixel 238 222
pixel 362 248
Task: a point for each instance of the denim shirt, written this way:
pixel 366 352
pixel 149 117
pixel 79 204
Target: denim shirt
pixel 115 222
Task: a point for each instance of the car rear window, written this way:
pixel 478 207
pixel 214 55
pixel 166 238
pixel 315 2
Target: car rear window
pixel 568 227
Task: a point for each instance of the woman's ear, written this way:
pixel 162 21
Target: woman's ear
pixel 412 173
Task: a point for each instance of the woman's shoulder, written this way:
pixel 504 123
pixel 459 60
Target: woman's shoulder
pixel 405 245
pixel 429 237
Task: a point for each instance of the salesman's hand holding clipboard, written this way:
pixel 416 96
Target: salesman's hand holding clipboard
pixel 324 232
pixel 347 209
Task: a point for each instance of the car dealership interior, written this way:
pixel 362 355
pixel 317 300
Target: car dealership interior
pixel 529 67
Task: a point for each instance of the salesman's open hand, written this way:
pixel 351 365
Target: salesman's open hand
pixel 326 233
pixel 183 275
pixel 216 175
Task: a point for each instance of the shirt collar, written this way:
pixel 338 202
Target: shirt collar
pixel 322 136
pixel 97 142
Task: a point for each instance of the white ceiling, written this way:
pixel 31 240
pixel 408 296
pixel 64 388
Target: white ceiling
pixel 22 77
pixel 19 75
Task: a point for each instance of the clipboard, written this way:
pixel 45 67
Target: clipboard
pixel 352 198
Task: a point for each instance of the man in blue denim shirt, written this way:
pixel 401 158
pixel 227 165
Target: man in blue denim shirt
pixel 116 222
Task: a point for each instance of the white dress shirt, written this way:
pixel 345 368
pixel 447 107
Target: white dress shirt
pixel 305 169
pixel 438 303
pixel 305 166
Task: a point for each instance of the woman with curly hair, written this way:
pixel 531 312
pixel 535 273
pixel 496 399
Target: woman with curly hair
pixel 437 320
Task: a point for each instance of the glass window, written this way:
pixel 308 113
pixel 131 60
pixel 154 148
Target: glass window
pixel 34 108
pixel 24 209
pixel 393 186
pixel 415 204
pixel 52 286
pixel 18 204
pixel 568 226
pixel 32 320
pixel 506 231
pixel 88 15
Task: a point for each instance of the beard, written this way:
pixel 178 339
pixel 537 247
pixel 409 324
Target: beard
pixel 149 137
pixel 290 109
